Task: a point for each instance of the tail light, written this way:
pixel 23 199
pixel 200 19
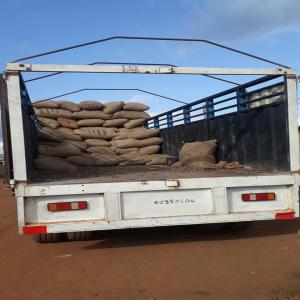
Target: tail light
pixel 63 206
pixel 258 197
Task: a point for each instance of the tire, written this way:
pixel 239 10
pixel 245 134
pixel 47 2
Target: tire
pixel 79 236
pixel 48 238
pixel 239 226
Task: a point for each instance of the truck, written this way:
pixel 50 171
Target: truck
pixel 255 124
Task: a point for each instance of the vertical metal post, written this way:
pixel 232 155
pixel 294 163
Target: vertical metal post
pixel 169 120
pixel 241 99
pixel 16 126
pixel 291 93
pixel 187 115
pixel 156 122
pixel 210 108
pixel 146 124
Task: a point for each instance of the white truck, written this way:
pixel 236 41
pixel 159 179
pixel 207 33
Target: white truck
pixel 264 136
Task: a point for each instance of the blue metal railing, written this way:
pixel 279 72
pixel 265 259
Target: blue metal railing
pixel 228 101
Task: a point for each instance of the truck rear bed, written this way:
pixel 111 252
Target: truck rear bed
pixel 139 173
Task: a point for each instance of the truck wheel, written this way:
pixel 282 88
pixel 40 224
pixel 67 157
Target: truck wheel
pixel 79 236
pixel 47 237
pixel 239 226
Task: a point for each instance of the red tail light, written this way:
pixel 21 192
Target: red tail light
pixel 285 215
pixel 35 229
pixel 258 197
pixel 62 206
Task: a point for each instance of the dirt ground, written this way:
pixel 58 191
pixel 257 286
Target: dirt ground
pixel 169 263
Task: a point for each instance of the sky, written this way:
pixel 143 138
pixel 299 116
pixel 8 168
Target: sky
pixel 269 28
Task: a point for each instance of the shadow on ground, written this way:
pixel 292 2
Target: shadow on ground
pixel 185 234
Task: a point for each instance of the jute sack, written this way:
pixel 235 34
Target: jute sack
pixel 86 114
pixel 112 107
pixel 96 133
pixel 45 104
pixel 134 123
pixel 101 150
pixel 107 160
pixel 54 144
pixel 134 161
pixel 61 151
pixel 131 115
pixel 90 122
pixel 83 160
pixel 81 145
pixel 68 105
pixel 135 106
pixel 97 143
pixel 67 123
pixel 90 105
pixel 195 152
pixel 148 142
pixel 53 164
pixel 68 134
pixel 158 161
pixel 120 136
pixel 143 133
pixel 150 150
pixel 131 154
pixel 48 122
pixel 128 143
pixel 115 123
pixel 124 151
pixel 49 134
pixel 52 113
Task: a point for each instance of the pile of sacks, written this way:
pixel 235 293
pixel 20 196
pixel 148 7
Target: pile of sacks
pixel 94 134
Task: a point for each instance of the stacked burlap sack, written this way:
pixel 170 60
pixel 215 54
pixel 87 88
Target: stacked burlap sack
pixel 94 134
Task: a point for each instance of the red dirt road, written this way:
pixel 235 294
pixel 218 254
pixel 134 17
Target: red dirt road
pixel 169 263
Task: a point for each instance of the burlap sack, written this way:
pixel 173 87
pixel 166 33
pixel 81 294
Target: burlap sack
pixel 124 151
pixel 52 113
pixel 61 151
pixel 131 115
pixel 150 150
pixel 120 136
pixel 51 123
pixel 67 123
pixel 195 152
pixel 81 145
pixel 53 164
pixel 134 161
pixel 101 150
pixel 128 143
pixel 45 104
pixel 49 134
pixel 68 134
pixel 143 133
pixel 112 107
pixel 90 105
pixel 134 123
pixel 107 160
pixel 86 114
pixel 96 133
pixel 97 143
pixel 157 161
pixel 81 160
pixel 148 142
pixel 135 106
pixel 115 123
pixel 68 105
pixel 131 154
pixel 90 122
pixel 41 142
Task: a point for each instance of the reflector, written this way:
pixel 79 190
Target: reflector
pixel 35 229
pixel 285 215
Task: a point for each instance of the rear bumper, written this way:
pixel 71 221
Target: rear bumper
pixel 156 203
